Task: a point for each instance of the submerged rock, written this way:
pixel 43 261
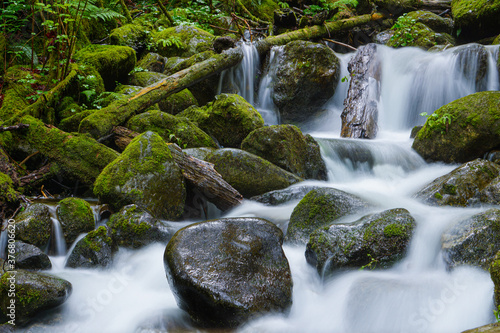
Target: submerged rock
pixel 144 174
pixel 250 174
pixel 462 130
pixel 305 79
pixel 35 293
pixel 473 182
pixel 319 208
pixel 227 271
pixel 96 249
pixel 286 147
pixel 33 226
pixel 76 217
pixel 473 241
pixel 360 114
pixel 30 257
pixel 377 240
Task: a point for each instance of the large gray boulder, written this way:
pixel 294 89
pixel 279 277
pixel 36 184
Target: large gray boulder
pixel 377 240
pixel 278 197
pixel 30 257
pixel 145 174
pixel 468 185
pixel 95 250
pixel 305 78
pixel 286 147
pixel 473 241
pixel 319 208
pixel 227 271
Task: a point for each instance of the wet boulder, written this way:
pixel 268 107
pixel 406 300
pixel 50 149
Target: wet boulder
pixel 134 228
pixel 469 184
pixel 433 21
pixel 476 19
pixel 182 41
pixel 305 78
pixel 33 226
pixel 473 241
pixel 279 197
pixel 152 62
pixel 76 217
pixel 229 119
pixel 409 32
pixel 472 60
pixel 495 277
pixel 172 129
pixel 360 114
pixel 319 208
pixel 30 257
pixel 200 153
pixel 286 147
pixel 462 130
pixel 145 174
pixel 227 271
pixel 178 102
pixel 250 174
pixel 95 250
pixel 35 293
pixel 132 35
pixel 377 240
pixel 111 61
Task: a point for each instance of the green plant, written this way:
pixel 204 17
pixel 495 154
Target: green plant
pixel 283 5
pixel 326 5
pixel 439 122
pixel 170 41
pixel 345 78
pixel 371 265
pixel 497 314
pixel 404 34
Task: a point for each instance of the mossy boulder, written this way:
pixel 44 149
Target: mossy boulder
pixel 305 79
pixel 76 217
pixel 15 92
pixel 288 148
pixel 33 226
pixel 472 60
pixel 111 61
pixel 418 34
pixel 229 119
pixel 152 62
pixel 144 79
pixel 178 102
pixel 474 129
pixel 476 19
pixel 182 41
pixel 250 174
pixel 171 128
pixel 319 208
pixel 134 228
pixel 132 35
pixel 200 153
pixel 3 47
pixel 30 257
pixel 279 197
pixel 467 185
pixel 8 194
pixel 378 240
pixel 144 174
pixel 35 293
pixel 398 6
pixel 433 21
pixel 495 277
pixel 225 272
pixel 474 241
pixel 95 250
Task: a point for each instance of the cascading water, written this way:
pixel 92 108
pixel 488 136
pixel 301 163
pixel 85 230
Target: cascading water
pixel 417 295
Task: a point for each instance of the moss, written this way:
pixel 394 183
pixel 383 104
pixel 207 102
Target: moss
pixel 131 35
pixel 92 239
pixel 395 230
pixel 438 195
pixel 7 191
pixel 418 34
pixel 189 41
pixel 449 189
pixel 3 47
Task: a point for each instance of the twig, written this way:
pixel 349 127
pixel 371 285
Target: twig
pixel 27 158
pixel 342 44
pixel 223 29
pixel 13 127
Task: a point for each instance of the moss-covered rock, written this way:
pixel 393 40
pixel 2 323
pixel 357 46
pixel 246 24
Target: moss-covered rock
pixel 279 197
pixel 227 271
pixel 319 208
pixel 305 78
pixel 409 32
pixel 250 174
pixel 476 19
pixel 474 241
pixel 144 174
pixel 182 41
pixel 397 6
pixel 377 240
pixel 152 62
pixel 34 293
pixel 433 21
pixel 8 194
pixel 171 128
pixel 199 153
pixel 495 277
pixel 474 129
pixel 76 217
pixel 95 250
pixel 30 257
pixel 288 148
pixel 178 102
pixel 468 185
pixel 15 92
pixel 144 79
pixel 496 41
pixel 131 35
pixel 33 226
pixel 229 119
pixel 72 123
pixel 111 61
pixel 134 228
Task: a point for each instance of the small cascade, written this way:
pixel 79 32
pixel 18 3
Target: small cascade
pixel 3 244
pixel 57 244
pixel 265 104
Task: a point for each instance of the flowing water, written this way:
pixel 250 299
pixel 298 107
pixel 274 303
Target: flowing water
pixel 417 295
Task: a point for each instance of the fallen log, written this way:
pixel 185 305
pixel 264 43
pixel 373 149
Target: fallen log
pixel 13 127
pixel 102 121
pixel 198 173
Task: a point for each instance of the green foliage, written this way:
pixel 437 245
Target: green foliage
pixel 283 5
pixel 404 33
pixel 197 14
pixel 371 265
pixel 14 16
pixel 326 5
pixel 497 314
pixel 439 122
pixel 170 41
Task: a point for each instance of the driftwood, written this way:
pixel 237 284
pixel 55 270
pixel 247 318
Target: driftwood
pixel 102 121
pixel 198 173
pixel 13 127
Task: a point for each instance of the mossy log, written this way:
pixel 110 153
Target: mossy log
pixel 198 173
pixel 102 121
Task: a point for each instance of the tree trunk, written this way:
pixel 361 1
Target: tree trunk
pixel 199 173
pixel 101 122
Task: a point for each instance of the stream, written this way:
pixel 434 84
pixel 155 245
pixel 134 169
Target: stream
pixel 416 295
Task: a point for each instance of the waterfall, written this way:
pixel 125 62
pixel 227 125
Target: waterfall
pixel 57 243
pixel 265 104
pixel 3 244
